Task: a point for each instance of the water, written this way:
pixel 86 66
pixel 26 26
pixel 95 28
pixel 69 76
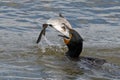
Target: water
pixel 22 59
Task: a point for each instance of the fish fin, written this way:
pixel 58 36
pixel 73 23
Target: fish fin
pixel 60 15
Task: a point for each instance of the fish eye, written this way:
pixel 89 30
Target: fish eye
pixel 50 25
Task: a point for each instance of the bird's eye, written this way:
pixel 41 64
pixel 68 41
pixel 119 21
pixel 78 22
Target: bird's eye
pixel 64 28
pixel 50 25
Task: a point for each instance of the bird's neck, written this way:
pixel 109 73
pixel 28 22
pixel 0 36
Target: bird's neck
pixel 74 44
pixel 74 50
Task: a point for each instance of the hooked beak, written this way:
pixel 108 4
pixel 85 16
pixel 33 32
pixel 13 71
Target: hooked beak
pixel 64 36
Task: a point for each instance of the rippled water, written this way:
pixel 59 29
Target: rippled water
pixel 98 22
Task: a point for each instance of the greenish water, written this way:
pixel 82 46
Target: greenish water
pixel 22 59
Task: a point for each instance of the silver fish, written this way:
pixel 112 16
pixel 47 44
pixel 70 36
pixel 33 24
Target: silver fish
pixel 60 24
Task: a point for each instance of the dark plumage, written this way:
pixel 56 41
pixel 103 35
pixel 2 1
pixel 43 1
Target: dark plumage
pixel 75 45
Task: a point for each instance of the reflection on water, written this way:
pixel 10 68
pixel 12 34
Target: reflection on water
pixel 22 59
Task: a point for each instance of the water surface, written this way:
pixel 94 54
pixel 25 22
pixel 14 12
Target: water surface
pixel 98 22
